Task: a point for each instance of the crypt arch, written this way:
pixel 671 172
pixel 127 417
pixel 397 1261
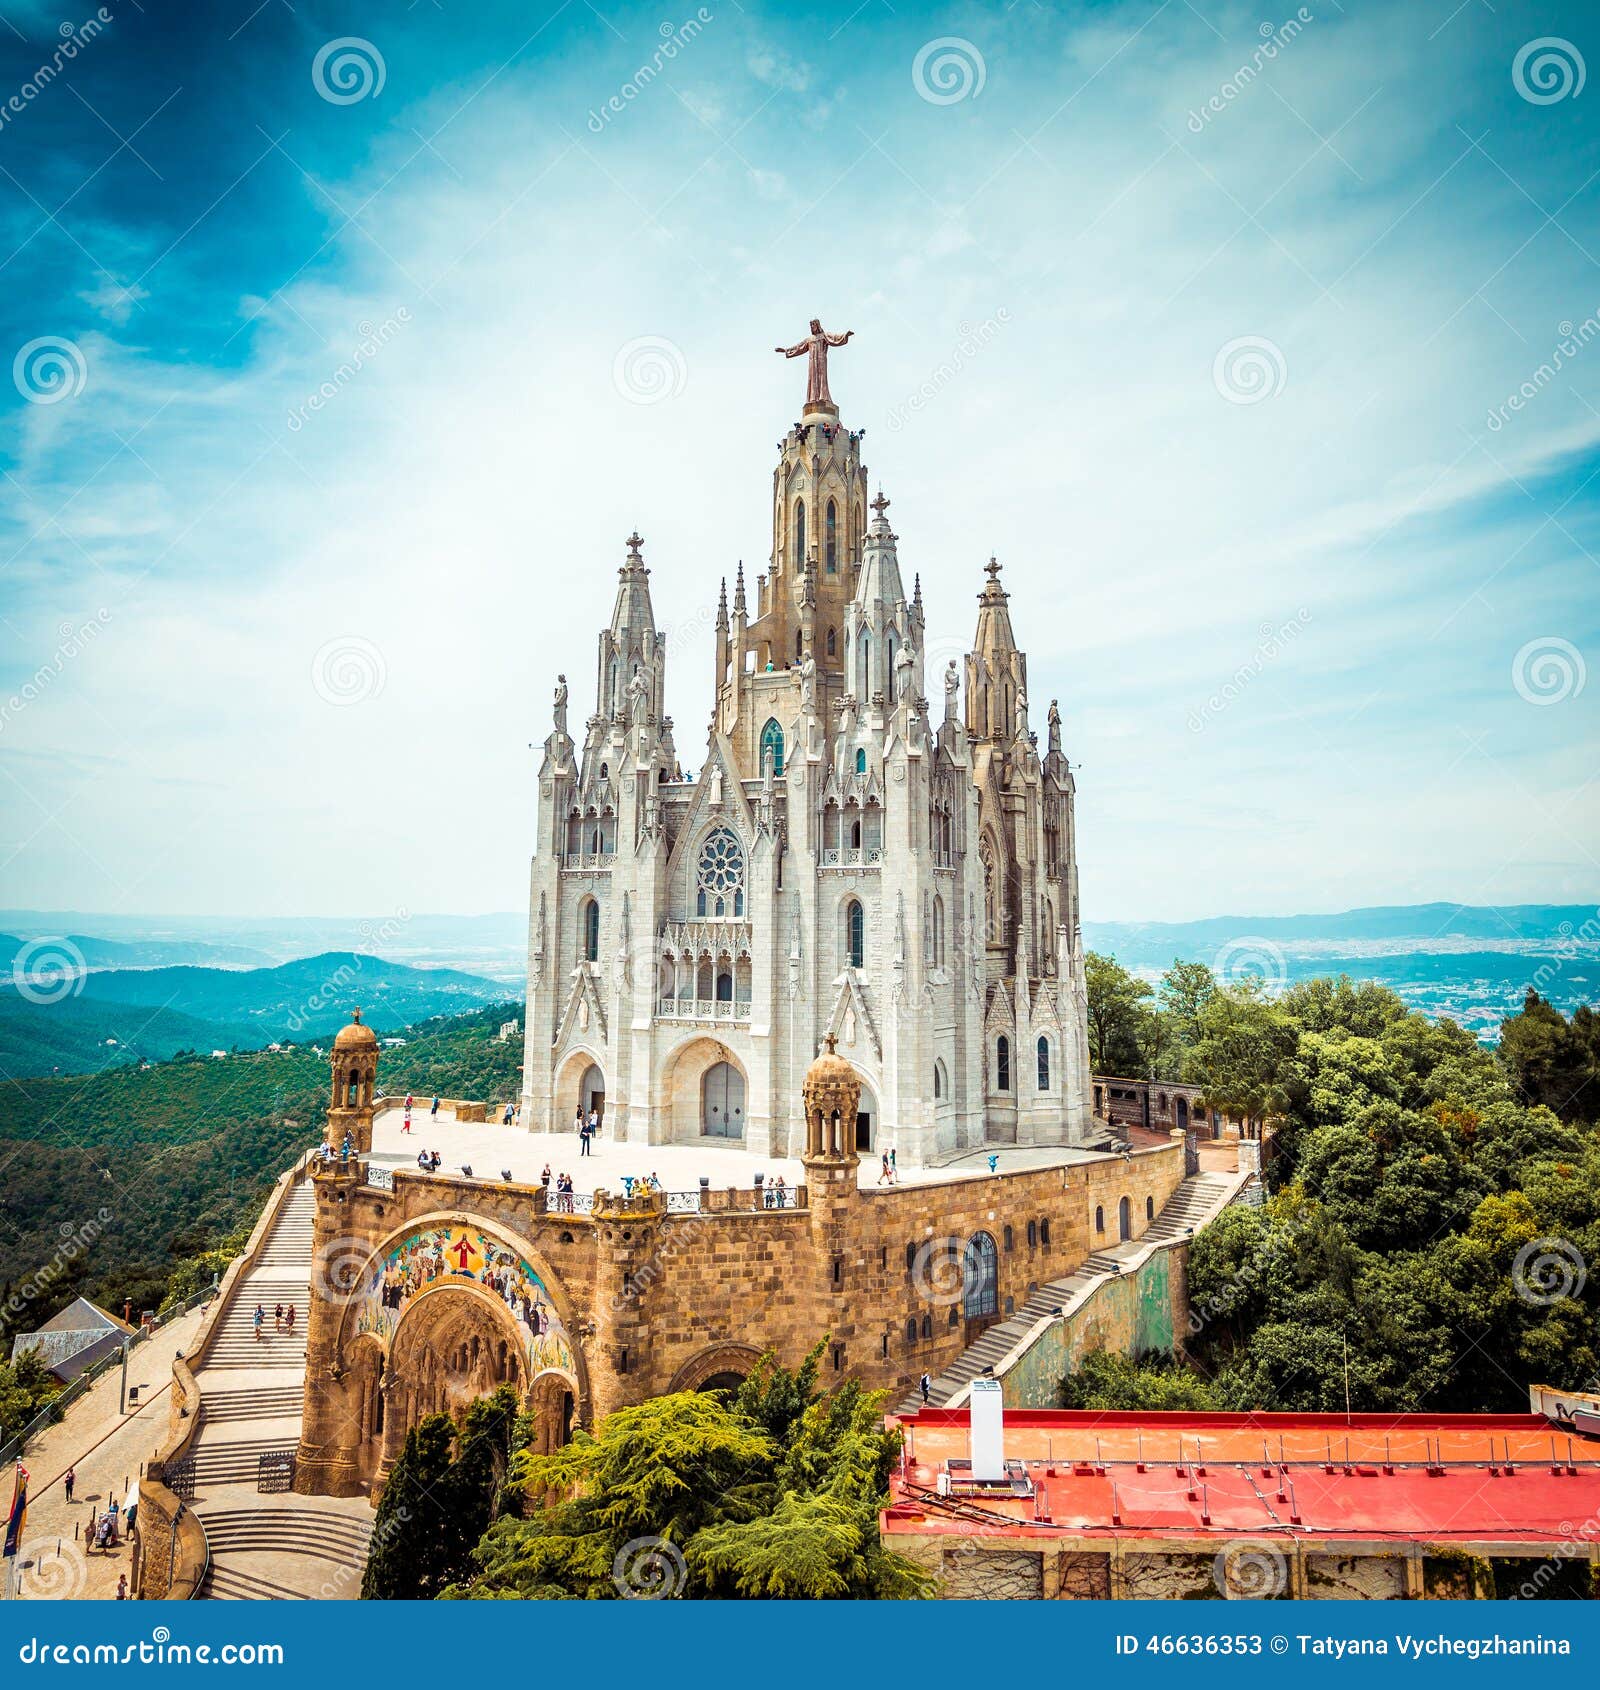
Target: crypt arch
pixel 718 1367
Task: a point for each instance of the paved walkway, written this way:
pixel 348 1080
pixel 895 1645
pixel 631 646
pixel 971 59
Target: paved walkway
pixel 488 1149
pixel 107 1448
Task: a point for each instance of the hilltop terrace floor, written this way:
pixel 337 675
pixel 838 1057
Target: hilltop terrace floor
pixel 488 1148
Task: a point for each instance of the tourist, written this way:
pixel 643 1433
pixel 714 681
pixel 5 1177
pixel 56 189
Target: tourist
pixel 410 1099
pixel 585 1133
pixel 423 1162
pixel 277 1318
pixel 434 1162
pixel 544 1179
pixel 894 1167
pixel 288 1320
pixel 260 1321
pixel 433 1113
pixel 594 1123
pixel 779 1193
pixel 506 1118
pixel 577 1119
pixel 886 1177
pixel 927 1388
pixel 69 1480
pixel 122 1588
pixel 405 1126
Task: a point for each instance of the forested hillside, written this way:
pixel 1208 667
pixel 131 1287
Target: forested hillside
pixel 1433 1236
pixel 115 1182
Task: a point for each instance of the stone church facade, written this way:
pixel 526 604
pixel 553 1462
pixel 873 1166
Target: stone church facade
pixel 850 860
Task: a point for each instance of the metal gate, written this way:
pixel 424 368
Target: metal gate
pixel 275 1470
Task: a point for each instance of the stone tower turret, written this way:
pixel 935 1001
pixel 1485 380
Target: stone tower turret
pixel 355 1079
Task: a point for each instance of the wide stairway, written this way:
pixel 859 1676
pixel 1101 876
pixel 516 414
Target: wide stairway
pixel 269 1546
pixel 1197 1200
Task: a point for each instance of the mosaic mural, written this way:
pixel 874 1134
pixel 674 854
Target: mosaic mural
pixel 458 1254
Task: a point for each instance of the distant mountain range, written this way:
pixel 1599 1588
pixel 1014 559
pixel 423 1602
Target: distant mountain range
pixel 132 986
pixel 90 1020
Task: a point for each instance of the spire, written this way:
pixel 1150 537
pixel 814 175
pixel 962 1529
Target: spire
pixel 634 613
pixel 739 608
pixel 994 620
pixel 879 580
pixel 722 604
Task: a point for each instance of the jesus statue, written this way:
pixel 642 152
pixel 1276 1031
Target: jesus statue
pixel 815 346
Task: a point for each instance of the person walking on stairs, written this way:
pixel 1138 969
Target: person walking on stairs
pixel 927 1388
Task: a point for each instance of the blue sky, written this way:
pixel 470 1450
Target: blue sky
pixel 1218 366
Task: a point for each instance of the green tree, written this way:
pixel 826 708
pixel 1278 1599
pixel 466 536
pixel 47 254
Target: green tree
pixel 408 1557
pixel 1237 1061
pixel 26 1386
pixel 1553 1061
pixel 775 1492
pixel 1126 1034
pixel 1105 1379
pixel 1185 990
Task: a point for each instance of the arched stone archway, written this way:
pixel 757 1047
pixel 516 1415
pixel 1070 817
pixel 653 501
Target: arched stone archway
pixel 719 1367
pixel 451 1347
pixel 579 1077
pixel 703 1075
pixel 553 1403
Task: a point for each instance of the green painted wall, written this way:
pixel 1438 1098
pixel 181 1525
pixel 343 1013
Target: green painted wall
pixel 1133 1313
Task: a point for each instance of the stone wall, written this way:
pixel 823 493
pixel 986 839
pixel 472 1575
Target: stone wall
pixel 653 1300
pixel 1131 1314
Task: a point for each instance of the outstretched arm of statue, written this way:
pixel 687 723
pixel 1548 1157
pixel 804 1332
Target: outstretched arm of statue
pixel 794 351
pixel 836 339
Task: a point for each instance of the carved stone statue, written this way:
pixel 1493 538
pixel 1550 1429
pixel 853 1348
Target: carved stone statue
pixel 1022 714
pixel 716 783
pixel 808 682
pixel 815 348
pixel 561 704
pixel 638 694
pixel 952 685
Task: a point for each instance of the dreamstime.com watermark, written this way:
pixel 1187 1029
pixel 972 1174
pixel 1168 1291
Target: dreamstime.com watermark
pixel 77 1237
pixel 333 990
pixel 70 642
pixel 969 344
pixel 1273 642
pixel 1273 40
pixel 372 342
pixel 1569 945
pixel 158 1650
pixel 74 38
pixel 673 40
pixel 1571 342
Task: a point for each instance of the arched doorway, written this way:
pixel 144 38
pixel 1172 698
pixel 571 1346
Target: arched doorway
pixel 722 1102
pixel 1183 1112
pixel 1124 1219
pixel 554 1407
pixel 866 1119
pixel 592 1091
pixel 980 1284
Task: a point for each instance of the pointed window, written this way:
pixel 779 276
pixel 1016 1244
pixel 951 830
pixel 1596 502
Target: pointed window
pixel 1044 1064
pixel 1002 1064
pixel 861 762
pixel 833 643
pixel 772 745
pixel 591 930
pixel 864 668
pixel 855 928
pixel 799 533
pixel 832 539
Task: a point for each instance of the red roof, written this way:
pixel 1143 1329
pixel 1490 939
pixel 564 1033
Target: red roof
pixel 1506 1477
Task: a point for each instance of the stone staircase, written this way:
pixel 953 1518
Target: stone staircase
pixel 1198 1199
pixel 249 1544
pixel 273 1546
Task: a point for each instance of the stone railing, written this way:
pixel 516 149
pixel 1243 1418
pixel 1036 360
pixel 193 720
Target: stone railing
pixel 171 1554
pixel 463 1109
pixel 703 1009
pixel 869 856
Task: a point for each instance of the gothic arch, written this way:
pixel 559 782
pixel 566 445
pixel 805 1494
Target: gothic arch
pixel 567 1090
pixel 694 1374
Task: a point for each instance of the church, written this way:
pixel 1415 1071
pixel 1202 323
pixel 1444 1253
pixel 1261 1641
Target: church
pixel 852 860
